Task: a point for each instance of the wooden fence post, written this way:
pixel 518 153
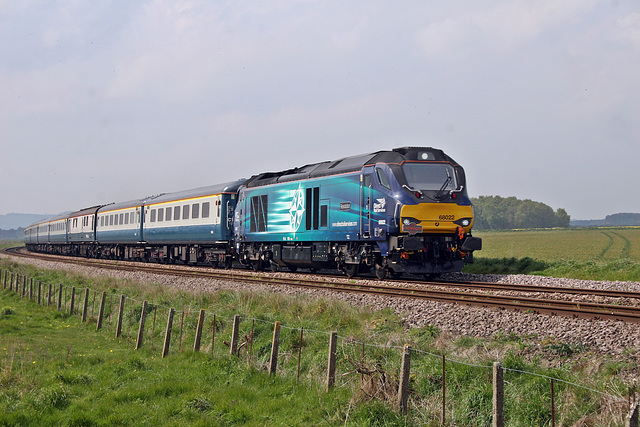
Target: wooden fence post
pixel 73 299
pixel 233 348
pixel 49 295
pixel 143 317
pixel 167 334
pixel 86 305
pixel 39 292
pixel 196 342
pixel 120 315
pixel 498 395
pixel 24 286
pixel 403 387
pixel 333 353
pixel 275 344
pixel 101 311
pixel 632 418
pixel 60 297
pixel 31 289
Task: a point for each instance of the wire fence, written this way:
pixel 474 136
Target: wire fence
pixel 435 388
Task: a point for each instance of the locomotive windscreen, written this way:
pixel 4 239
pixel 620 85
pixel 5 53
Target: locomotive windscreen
pixel 430 176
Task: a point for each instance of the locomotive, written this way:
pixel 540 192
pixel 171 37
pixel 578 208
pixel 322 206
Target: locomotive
pixel 404 210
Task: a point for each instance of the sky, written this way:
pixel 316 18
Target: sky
pixel 108 101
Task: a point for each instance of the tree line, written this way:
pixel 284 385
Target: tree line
pixel 504 213
pixel 14 234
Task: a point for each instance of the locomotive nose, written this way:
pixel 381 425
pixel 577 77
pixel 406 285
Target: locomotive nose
pixel 439 218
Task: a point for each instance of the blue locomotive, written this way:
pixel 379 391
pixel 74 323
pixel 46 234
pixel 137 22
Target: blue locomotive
pixel 401 211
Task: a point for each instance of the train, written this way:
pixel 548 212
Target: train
pixel 393 212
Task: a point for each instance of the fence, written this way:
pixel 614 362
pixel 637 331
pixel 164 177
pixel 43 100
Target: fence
pixel 408 377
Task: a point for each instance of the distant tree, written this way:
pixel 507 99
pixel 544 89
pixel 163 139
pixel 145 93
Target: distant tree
pixel 500 213
pixel 562 218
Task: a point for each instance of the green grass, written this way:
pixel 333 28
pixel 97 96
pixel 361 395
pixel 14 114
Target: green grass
pixel 585 253
pixel 56 370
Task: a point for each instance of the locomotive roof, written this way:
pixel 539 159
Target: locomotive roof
pixel 350 164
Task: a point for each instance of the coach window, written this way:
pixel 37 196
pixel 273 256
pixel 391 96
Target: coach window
pixel 160 214
pixel 121 219
pixel 176 213
pixel 101 221
pixel 110 219
pixel 153 215
pixel 195 210
pixel 185 212
pixel 167 214
pixel 205 210
pixel 126 218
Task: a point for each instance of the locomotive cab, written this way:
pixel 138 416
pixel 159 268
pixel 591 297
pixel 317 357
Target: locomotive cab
pixel 432 215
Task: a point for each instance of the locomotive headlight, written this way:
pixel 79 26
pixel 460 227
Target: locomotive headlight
pixel 424 155
pixel 410 220
pixel 464 222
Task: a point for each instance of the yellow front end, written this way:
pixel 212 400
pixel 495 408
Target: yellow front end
pixel 435 218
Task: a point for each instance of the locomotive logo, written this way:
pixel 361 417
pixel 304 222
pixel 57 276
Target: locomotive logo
pixel 296 210
pixel 380 206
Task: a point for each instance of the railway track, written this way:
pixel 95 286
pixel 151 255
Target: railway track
pixel 457 293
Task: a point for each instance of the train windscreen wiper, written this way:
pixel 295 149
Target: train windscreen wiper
pixel 439 195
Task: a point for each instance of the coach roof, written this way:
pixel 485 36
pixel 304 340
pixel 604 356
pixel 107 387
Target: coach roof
pixel 228 187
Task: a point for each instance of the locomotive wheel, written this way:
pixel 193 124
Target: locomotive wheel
pixel 381 272
pixel 351 270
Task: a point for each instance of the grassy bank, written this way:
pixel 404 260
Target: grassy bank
pixel 56 370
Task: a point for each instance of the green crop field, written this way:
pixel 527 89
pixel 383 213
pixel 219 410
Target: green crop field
pixel 585 253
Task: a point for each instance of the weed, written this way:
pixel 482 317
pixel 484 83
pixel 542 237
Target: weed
pixel 201 404
pixel 564 349
pixel 7 311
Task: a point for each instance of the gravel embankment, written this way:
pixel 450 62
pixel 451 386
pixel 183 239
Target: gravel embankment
pixel 600 336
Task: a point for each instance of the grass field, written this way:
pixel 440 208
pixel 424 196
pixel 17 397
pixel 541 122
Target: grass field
pixel 583 253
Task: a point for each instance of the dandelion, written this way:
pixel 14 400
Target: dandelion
pixel 34 362
pixel 111 351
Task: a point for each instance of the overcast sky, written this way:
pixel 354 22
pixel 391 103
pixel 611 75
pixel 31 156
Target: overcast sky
pixel 106 101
